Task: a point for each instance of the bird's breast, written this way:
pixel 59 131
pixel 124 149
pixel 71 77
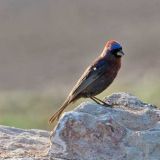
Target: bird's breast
pixel 100 84
pixel 104 80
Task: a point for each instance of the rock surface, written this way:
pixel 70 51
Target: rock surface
pixel 20 144
pixel 130 130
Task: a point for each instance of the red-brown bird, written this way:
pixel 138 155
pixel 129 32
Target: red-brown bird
pixel 96 78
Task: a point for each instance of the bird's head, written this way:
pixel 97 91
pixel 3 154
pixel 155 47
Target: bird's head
pixel 114 48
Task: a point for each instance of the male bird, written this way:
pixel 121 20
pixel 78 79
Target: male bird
pixel 96 78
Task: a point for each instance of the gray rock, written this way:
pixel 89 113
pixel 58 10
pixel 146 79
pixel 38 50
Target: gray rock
pixel 20 144
pixel 128 131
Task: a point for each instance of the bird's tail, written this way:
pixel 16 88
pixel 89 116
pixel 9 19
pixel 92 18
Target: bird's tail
pixel 56 115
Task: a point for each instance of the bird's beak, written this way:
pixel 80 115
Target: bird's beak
pixel 120 53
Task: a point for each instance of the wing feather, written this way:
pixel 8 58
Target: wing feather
pixel 91 74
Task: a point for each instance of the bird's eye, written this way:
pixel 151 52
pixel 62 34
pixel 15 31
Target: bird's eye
pixel 94 68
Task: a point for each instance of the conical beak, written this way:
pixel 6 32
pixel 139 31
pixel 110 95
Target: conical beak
pixel 120 53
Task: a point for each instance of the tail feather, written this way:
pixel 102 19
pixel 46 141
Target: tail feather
pixel 56 115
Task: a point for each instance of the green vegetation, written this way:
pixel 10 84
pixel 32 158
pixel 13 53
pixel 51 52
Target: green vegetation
pixel 32 110
pixel 26 110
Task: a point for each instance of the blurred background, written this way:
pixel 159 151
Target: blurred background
pixel 45 45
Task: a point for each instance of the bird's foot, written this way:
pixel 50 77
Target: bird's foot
pixel 100 102
pixel 107 104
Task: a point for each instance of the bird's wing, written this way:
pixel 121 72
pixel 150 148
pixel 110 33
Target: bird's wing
pixel 90 75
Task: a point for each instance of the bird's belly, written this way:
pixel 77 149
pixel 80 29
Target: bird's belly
pixel 98 86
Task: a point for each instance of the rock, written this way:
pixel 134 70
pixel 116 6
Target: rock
pixel 130 130
pixel 20 144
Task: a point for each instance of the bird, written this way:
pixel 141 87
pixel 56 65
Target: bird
pixel 96 78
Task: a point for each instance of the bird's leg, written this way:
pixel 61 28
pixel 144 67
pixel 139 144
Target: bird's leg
pixel 94 100
pixel 103 103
